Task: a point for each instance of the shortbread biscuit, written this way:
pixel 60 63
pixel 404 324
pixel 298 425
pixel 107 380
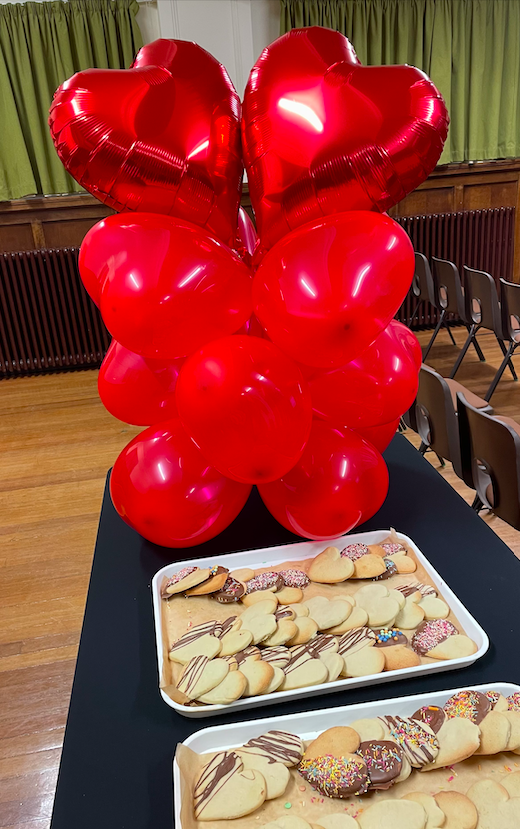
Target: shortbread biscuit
pixel 278 746
pixel 260 596
pixel 334 664
pixel 289 595
pixel 434 608
pixel 496 809
pixel 201 640
pixel 459 811
pixel 336 776
pixel 215 581
pixel 339 741
pixel 276 775
pixel 495 731
pixel 200 675
pixel 368 729
pixel 285 631
pixel 410 616
pixel 357 618
pixel 183 580
pixel 230 689
pixel 259 676
pixel 328 614
pixel 306 629
pixel 417 740
pixel 235 641
pixel 384 761
pixel 225 791
pixel 399 658
pixel 393 814
pixel 338 821
pixel 330 568
pixel 435 815
pixel 458 738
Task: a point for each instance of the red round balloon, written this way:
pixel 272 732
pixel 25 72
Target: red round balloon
pixel 136 389
pixel 409 341
pixel 163 488
pixel 327 290
pixel 246 237
pixel 380 436
pixel 246 406
pixel 161 137
pixel 323 134
pixel 167 287
pixel 339 481
pixel 375 388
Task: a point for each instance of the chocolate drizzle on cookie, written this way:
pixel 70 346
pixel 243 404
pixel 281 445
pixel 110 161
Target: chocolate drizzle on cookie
pixel 212 628
pixel 277 746
pixel 354 638
pixel 419 745
pixel 231 591
pixel 213 777
pixel 191 674
pixel 412 587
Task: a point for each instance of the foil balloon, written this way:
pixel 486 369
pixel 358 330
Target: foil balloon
pixel 161 137
pixel 246 406
pixel 136 389
pixel 323 134
pixel 328 289
pixel 166 286
pixel 163 488
pixel 339 481
pixel 377 387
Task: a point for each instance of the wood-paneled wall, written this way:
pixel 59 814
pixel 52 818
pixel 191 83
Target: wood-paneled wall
pixel 62 221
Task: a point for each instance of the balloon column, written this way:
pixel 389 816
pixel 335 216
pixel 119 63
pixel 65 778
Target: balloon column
pixel 274 360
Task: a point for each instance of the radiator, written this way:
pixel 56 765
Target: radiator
pixel 47 320
pixel 481 239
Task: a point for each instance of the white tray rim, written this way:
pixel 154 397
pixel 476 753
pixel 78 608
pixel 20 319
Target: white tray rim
pixel 235 734
pixel 298 551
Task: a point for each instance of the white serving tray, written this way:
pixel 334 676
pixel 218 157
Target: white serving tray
pixel 267 556
pixel 309 724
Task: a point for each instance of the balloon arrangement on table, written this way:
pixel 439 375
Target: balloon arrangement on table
pixel 272 361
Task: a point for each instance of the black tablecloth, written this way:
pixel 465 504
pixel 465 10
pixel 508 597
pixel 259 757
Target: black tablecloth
pixel 116 768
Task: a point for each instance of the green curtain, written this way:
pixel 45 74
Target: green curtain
pixel 469 48
pixel 41 45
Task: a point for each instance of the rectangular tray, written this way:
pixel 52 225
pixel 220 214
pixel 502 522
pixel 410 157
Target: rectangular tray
pixel 309 724
pixel 297 552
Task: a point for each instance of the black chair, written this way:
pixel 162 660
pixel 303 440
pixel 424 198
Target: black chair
pixel 494 447
pixel 510 312
pixel 424 288
pixel 482 310
pixel 450 295
pixel 436 417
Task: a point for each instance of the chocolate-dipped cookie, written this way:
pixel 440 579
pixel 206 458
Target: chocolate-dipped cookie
pixel 231 591
pixel 391 570
pixel 386 637
pixel 265 581
pixel 384 761
pixel 417 740
pixel 472 705
pixel 432 715
pixel 295 578
pixel 336 776
pixel 216 579
pixel 430 634
pixel 412 587
pixel 354 551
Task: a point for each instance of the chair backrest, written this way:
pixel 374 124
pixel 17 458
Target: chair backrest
pixel 495 457
pixel 510 307
pixel 436 417
pixel 481 300
pixel 448 287
pixel 422 284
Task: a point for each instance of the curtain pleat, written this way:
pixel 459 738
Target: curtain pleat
pixel 41 45
pixel 469 48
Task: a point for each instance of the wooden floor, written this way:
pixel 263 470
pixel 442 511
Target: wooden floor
pixel 56 444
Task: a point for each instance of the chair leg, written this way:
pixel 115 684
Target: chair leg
pixel 498 375
pixel 480 353
pixel 413 314
pixel 437 329
pixel 441 461
pixel 469 340
pixel 448 329
pixel 477 504
pixel 511 366
pixel 422 448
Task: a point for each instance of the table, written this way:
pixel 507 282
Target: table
pixel 116 767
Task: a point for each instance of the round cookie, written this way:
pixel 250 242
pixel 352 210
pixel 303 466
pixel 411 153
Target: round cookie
pixel 336 776
pixel 459 811
pixel 392 548
pixel 183 580
pixel 289 595
pixel 277 746
pixel 470 704
pixel 411 588
pixel 265 581
pixel 384 761
pixel 364 663
pixel 231 591
pixel 455 647
pixel 430 635
pixel 432 715
pixel 295 578
pixel 417 740
pixel 404 563
pixel 339 741
pixel 284 611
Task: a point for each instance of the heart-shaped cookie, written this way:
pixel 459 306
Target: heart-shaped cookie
pixel 330 568
pixel 161 137
pixel 224 790
pixel 322 134
pixel 327 614
pixel 496 809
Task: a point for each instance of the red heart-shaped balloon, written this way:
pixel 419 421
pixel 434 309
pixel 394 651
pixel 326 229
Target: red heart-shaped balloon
pixel 323 134
pixel 161 137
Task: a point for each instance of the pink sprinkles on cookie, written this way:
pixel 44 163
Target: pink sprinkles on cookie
pixel 355 551
pixel 493 697
pixel 177 577
pixel 430 634
pixel 264 581
pixel 391 549
pixel 513 702
pixel 295 578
